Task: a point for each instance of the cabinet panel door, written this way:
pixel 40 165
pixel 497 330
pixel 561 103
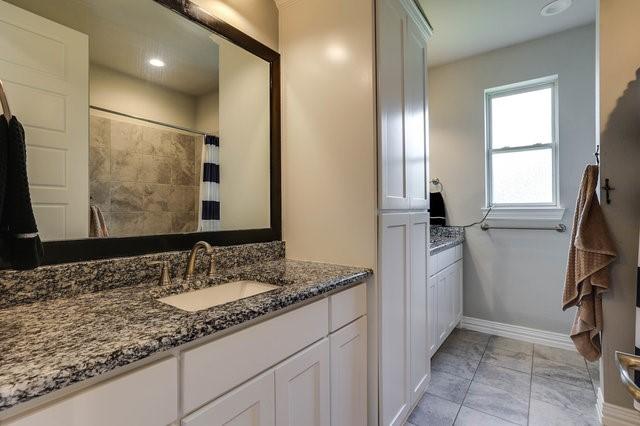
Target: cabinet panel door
pixel 432 314
pixel 391 22
pixel 444 305
pixel 415 114
pixel 394 317
pixel 419 368
pixel 452 284
pixel 302 388
pixel 252 404
pixel 349 375
pixel 459 291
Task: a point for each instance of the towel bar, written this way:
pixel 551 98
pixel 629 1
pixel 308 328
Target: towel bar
pixel 559 227
pixel 625 362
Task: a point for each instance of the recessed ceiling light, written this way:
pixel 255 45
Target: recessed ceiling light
pixel 156 62
pixel 555 7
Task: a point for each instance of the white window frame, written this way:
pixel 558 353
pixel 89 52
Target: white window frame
pixel 523 210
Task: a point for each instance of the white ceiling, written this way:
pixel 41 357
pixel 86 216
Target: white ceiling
pixel 463 28
pixel 125 34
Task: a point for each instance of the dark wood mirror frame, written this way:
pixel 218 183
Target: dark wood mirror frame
pixel 94 248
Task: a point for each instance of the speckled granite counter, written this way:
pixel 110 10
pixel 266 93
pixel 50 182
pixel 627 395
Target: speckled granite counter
pixel 444 237
pixel 52 343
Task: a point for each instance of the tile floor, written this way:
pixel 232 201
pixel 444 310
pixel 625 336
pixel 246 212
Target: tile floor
pixel 480 380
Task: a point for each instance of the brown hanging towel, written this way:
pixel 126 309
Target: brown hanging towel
pixel 590 254
pixel 20 244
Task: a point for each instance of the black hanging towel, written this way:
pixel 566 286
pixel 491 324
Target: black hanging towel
pixel 437 210
pixel 20 244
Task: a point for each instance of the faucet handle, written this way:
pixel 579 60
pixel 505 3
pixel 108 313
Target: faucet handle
pixel 165 274
pixel 213 269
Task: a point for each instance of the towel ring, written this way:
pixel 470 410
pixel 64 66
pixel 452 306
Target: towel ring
pixel 5 103
pixel 436 182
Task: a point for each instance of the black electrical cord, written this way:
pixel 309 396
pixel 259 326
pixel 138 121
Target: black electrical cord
pixel 480 221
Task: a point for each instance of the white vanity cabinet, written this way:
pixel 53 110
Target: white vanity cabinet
pixel 307 366
pixel 444 295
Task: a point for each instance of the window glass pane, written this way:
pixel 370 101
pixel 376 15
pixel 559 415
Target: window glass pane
pixel 524 177
pixel 522 119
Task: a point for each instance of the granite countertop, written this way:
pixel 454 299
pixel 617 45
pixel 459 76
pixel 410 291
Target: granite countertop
pixel 50 344
pixel 444 237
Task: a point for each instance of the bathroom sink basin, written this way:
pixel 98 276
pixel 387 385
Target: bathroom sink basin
pixel 205 298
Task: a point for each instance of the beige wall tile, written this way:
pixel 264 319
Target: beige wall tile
pixel 126 136
pixel 155 169
pixel 126 196
pixel 157 222
pixel 182 172
pixel 100 131
pixel 100 193
pixel 125 224
pixel 125 166
pixel 184 222
pixel 99 163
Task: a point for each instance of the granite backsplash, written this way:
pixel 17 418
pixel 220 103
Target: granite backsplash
pixel 70 279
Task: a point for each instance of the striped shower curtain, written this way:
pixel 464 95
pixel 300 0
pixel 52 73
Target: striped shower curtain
pixel 210 185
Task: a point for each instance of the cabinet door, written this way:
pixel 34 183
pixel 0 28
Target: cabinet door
pixel 252 404
pixel 302 388
pixel 415 113
pixel 349 374
pixel 420 363
pixel 459 292
pixel 391 22
pixel 393 294
pixel 444 305
pixel 432 314
pixel 452 284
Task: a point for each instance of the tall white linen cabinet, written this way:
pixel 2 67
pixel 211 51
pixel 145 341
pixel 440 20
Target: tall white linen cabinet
pixel 355 172
pixel 403 218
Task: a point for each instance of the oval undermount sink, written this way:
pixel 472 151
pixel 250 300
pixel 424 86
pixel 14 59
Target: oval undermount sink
pixel 209 297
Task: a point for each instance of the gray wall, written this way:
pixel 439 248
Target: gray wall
pixel 512 277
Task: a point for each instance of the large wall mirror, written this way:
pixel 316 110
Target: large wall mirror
pixel 147 122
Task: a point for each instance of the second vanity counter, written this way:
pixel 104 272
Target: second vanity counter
pixel 51 344
pixel 444 237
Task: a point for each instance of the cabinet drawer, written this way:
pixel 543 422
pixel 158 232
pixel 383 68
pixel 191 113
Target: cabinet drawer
pixel 446 258
pixel 459 251
pixel 213 368
pixel 347 306
pixel 148 396
pixel 432 264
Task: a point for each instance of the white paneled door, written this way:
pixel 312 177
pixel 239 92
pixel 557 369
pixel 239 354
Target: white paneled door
pixel 302 388
pixel 394 279
pixel 349 375
pixel 420 362
pixel 45 70
pixel 402 105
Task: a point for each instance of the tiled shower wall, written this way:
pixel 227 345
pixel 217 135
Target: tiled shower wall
pixel 144 179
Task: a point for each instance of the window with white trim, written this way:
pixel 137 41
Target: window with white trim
pixel 522 144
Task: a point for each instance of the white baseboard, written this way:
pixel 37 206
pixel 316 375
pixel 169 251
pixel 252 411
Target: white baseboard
pixel 614 415
pixel 549 338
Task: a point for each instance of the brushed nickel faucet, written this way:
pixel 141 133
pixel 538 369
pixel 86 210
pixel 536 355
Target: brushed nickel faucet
pixel 191 266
